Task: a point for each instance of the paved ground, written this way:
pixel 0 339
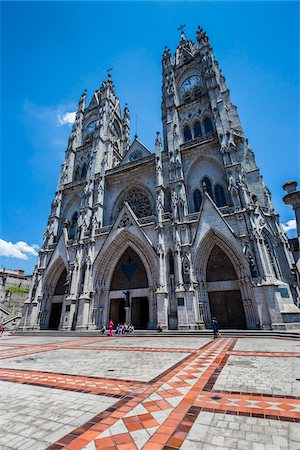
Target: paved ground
pixel 149 393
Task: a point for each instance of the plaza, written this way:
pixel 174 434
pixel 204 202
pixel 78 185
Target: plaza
pixel 149 392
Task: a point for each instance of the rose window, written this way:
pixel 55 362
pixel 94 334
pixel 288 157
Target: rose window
pixel 139 202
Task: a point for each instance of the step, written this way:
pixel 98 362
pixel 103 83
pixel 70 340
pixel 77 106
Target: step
pixel 295 334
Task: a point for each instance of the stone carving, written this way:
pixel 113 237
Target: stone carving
pixel 186 270
pixel 139 201
pixel 125 221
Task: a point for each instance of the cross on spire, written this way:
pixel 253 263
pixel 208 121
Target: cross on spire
pixel 181 28
pixel 109 70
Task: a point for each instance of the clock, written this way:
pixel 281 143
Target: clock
pixel 190 83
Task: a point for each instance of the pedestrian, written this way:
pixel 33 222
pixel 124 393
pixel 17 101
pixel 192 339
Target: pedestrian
pixel 159 328
pixel 215 327
pixel 1 329
pixel 131 328
pixel 111 327
pixel 103 329
pixel 120 329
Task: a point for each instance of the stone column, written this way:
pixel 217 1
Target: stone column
pixel 127 314
pixel 293 198
pixel 162 310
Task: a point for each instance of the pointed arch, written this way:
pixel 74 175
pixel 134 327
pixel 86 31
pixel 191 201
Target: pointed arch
pixel 110 254
pixel 73 226
pixel 84 171
pixel 77 173
pixel 207 184
pixel 54 273
pixel 197 197
pixel 60 287
pixel 197 129
pixel 212 238
pixel 220 198
pixel 208 125
pixel 219 266
pixel 187 135
pixel 129 272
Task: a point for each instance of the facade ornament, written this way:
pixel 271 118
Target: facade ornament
pixel 125 221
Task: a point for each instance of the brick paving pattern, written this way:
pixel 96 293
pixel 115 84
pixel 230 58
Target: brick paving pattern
pixel 152 393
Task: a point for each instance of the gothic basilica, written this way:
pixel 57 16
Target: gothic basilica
pixel 173 236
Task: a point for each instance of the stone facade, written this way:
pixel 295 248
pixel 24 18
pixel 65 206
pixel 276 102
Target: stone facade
pixel 171 237
pixel 14 289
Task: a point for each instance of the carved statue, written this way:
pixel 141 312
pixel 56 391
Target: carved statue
pixel 127 299
pixel 186 270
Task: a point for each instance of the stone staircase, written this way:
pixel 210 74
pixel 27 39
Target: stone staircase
pixel 291 334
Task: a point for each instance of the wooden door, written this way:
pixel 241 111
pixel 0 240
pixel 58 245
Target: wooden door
pixel 227 307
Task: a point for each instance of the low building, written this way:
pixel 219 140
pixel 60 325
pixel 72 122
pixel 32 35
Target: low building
pixel 14 289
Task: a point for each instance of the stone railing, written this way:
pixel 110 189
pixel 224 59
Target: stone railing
pixel 74 183
pixel 167 216
pixel 200 140
pixel 192 217
pixel 103 230
pixel 146 220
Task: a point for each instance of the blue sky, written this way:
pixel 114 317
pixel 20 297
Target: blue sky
pixel 52 51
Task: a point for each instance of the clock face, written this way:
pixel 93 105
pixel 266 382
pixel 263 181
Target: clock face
pixel 190 83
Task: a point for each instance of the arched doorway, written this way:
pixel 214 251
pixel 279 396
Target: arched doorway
pixel 57 301
pixel 128 302
pixel 225 299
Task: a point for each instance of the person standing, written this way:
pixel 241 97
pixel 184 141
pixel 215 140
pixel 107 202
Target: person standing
pixel 1 329
pixel 111 327
pixel 215 327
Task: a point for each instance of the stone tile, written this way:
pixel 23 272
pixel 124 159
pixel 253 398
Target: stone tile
pixel 151 342
pixel 23 430
pixel 123 365
pixel 267 375
pixel 267 345
pixel 211 435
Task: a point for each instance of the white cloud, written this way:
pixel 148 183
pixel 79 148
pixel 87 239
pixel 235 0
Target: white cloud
pixel 289 225
pixel 19 250
pixel 67 118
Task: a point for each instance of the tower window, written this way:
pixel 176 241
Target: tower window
pixel 197 197
pixel 220 195
pixel 73 226
pixel 187 134
pixel 207 184
pixel 208 125
pixel 84 171
pixel 197 129
pixel 77 174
